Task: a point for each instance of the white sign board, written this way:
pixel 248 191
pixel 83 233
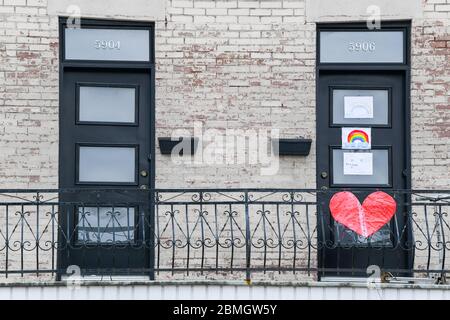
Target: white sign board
pixel 356 138
pixel 358 107
pixel 358 163
pixel 383 46
pixel 107 44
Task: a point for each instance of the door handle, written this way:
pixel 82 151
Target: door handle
pixel 144 173
pixel 143 187
pixel 324 174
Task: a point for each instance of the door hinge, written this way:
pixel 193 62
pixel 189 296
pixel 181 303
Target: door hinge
pixel 149 157
pixel 405 172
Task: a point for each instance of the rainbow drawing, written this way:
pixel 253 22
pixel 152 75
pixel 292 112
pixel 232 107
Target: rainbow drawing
pixel 356 138
pixel 358 135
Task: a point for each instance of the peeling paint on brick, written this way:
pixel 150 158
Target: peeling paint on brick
pixel 226 64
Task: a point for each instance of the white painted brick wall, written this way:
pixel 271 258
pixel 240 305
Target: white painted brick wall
pixel 430 93
pixel 228 64
pixel 240 66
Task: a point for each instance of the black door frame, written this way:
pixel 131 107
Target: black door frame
pixel 99 66
pixel 404 68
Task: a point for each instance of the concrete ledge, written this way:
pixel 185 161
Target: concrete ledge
pixel 218 290
pixel 351 10
pixel 112 9
pixel 234 283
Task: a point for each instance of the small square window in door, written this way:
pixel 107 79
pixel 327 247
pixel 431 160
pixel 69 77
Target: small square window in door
pixel 361 168
pixel 105 224
pixel 107 104
pixel 360 107
pixel 345 236
pixel 107 164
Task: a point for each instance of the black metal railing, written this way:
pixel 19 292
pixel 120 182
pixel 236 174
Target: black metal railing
pixel 215 234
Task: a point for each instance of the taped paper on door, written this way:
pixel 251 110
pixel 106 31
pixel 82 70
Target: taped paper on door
pixel 356 138
pixel 358 163
pixel 358 107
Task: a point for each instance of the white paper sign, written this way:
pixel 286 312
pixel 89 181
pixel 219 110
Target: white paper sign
pixel 358 107
pixel 356 138
pixel 358 163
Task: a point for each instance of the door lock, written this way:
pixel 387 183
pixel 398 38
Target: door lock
pixel 144 173
pixel 324 174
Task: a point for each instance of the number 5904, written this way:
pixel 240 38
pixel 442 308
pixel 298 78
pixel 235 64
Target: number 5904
pixel 107 44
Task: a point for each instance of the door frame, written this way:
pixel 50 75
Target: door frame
pixel 405 68
pixel 127 66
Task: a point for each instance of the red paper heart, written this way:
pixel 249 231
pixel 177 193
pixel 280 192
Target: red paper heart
pixel 366 219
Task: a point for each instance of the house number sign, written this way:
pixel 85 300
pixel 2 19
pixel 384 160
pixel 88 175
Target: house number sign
pixel 107 44
pixel 361 47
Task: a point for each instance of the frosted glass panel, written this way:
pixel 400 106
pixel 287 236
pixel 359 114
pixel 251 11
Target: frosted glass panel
pixel 107 44
pixel 361 47
pixel 105 224
pixel 107 164
pixel 107 104
pixel 346 174
pixel 345 236
pixel 346 101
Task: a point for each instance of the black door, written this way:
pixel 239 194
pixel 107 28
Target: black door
pixel 342 251
pixel 105 156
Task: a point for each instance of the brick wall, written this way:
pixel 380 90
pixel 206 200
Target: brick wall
pixel 430 93
pixel 28 95
pixel 236 64
pixel 224 64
